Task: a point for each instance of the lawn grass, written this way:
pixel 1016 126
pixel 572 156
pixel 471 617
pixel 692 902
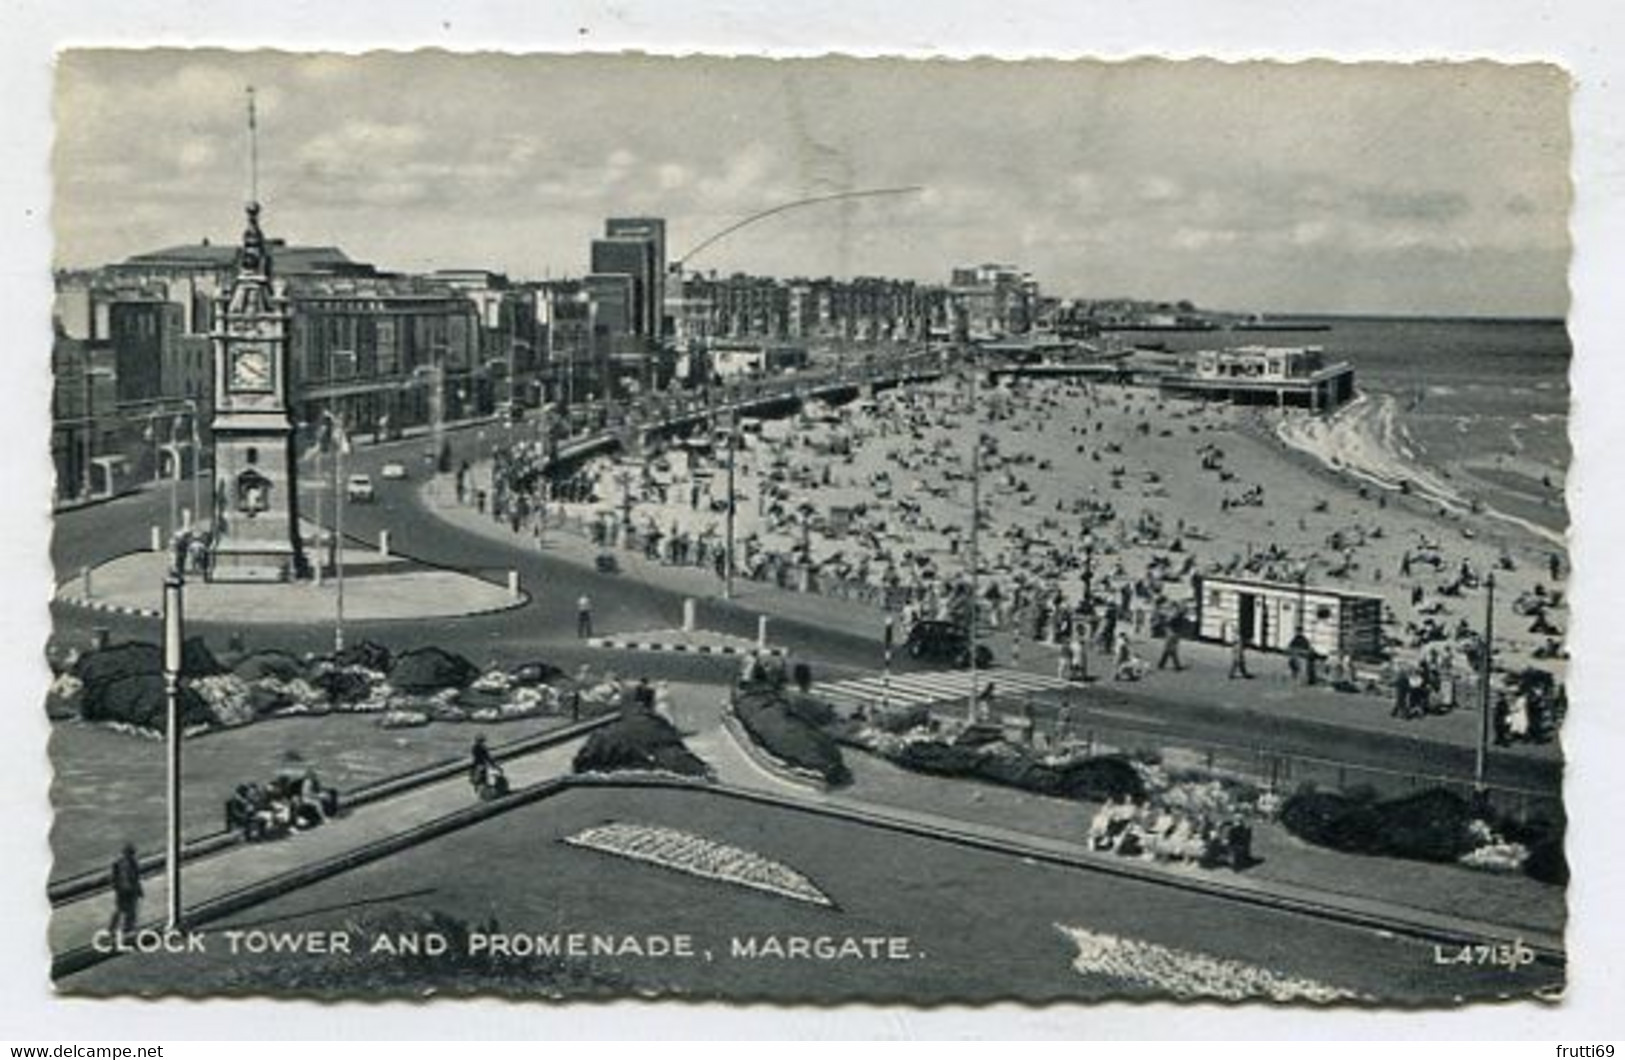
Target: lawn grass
pixel 980 926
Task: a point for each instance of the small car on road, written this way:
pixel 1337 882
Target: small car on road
pixel 393 471
pixel 358 489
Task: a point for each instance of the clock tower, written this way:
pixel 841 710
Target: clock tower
pixel 256 529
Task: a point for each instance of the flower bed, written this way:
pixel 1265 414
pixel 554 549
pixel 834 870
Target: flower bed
pixel 1430 825
pixel 779 727
pixel 696 855
pixel 1093 778
pixel 123 686
pixel 1186 974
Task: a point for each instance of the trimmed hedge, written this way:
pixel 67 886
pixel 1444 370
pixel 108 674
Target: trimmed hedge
pixel 778 729
pixel 1097 779
pixel 430 670
pixel 638 741
pixel 1429 825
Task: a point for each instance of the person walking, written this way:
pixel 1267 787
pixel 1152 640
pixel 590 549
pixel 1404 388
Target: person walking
pixel 127 892
pixel 1170 647
pixel 1238 659
pixel 584 617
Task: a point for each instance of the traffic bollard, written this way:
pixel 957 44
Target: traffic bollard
pixel 761 632
pixel 383 542
pixel 157 539
pixel 186 518
pixel 688 616
pixel 513 584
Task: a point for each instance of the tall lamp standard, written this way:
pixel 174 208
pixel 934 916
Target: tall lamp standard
pixel 1486 662
pixel 1088 601
pixel 341 443
pixel 1300 649
pixel 975 522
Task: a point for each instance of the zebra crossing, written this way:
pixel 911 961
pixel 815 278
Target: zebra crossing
pixel 929 687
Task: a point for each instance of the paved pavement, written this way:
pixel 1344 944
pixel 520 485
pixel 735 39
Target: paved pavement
pixel 376 586
pixel 74 923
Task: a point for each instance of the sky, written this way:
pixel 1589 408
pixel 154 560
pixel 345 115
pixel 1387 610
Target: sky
pixel 1319 187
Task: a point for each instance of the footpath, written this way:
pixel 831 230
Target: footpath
pixel 1271 694
pixel 1445 900
pixel 254 869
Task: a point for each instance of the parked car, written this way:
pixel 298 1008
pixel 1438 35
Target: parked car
pixel 358 490
pixel 393 470
pixel 939 641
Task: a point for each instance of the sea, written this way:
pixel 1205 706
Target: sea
pixel 1485 402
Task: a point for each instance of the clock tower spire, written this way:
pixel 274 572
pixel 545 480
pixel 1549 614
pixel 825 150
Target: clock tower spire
pixel 256 531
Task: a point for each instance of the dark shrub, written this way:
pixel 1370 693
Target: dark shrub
pixel 277 665
pixel 197 660
pixel 750 699
pixel 813 711
pixel 342 686
pixel 1019 771
pixel 980 734
pixel 1547 863
pixel 430 670
pixel 535 673
pixel 140 657
pixel 368 654
pixel 638 741
pixel 1100 779
pixel 901 719
pixel 801 674
pixel 1430 825
pixel 120 660
pixel 793 741
pixel 138 699
pixel 950 760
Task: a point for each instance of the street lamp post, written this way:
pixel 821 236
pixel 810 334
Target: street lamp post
pixel 174 636
pixel 728 562
pixel 174 475
pixel 1486 660
pixel 975 524
pixel 1088 601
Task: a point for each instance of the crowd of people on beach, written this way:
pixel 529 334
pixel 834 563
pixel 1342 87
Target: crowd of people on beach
pixel 1090 531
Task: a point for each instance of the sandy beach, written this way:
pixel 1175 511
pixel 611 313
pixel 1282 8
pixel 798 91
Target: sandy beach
pixel 880 492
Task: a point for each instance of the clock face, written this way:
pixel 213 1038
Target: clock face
pixel 251 368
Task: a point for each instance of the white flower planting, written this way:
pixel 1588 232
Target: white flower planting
pixel 696 855
pixel 1191 975
pixel 66 686
pixel 227 697
pixel 492 681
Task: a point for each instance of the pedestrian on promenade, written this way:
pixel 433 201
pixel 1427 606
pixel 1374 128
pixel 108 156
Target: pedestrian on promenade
pixel 1238 659
pixel 584 617
pixel 127 892
pixel 1170 647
